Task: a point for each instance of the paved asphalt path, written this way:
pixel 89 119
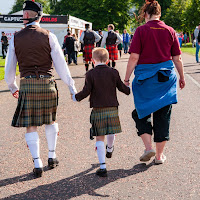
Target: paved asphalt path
pixel 177 179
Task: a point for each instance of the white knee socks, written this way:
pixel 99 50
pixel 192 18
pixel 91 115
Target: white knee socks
pixel 32 140
pixel 51 135
pixel 110 142
pixel 101 153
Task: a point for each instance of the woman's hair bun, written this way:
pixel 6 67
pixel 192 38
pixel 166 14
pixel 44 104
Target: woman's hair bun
pixel 151 1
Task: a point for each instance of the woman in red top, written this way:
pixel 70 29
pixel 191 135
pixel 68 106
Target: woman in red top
pixel 153 48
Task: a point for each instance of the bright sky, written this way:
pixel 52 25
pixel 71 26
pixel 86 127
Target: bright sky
pixel 6 6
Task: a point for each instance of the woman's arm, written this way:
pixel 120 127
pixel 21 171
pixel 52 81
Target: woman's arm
pixel 179 66
pixel 133 60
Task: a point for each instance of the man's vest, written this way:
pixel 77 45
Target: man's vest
pixel 33 51
pixel 89 37
pixel 112 38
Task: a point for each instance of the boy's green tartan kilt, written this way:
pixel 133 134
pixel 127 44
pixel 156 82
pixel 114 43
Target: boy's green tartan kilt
pixel 104 121
pixel 37 103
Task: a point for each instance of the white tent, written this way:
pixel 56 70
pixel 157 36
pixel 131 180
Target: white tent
pixel 56 24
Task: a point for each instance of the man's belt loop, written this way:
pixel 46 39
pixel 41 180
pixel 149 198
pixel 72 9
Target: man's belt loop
pixel 36 72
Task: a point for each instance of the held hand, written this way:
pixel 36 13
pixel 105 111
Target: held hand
pixel 127 83
pixel 16 94
pixel 181 83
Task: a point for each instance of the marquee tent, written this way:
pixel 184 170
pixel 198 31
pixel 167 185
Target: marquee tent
pixel 57 24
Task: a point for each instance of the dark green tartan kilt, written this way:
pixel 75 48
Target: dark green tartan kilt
pixel 104 121
pixel 37 103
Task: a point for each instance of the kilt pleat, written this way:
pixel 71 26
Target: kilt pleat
pixel 88 52
pixel 113 51
pixel 105 121
pixel 37 103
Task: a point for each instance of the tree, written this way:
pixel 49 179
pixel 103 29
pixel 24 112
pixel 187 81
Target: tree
pixel 175 14
pixel 100 13
pixel 19 6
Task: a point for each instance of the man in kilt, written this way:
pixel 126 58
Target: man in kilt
pixel 88 38
pixel 35 49
pixel 111 39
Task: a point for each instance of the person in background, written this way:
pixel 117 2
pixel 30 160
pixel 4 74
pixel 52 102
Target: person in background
pixel 98 44
pixel 76 47
pixel 185 38
pixel 88 38
pixel 111 39
pixel 4 41
pixel 126 39
pixel 154 52
pixel 119 46
pixel 69 44
pixel 180 39
pixel 196 34
pixel 101 84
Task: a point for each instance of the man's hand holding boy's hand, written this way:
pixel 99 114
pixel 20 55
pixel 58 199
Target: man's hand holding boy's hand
pixel 16 94
pixel 73 97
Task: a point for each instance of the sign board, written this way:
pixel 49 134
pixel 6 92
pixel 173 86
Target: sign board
pixel 75 22
pixel 49 19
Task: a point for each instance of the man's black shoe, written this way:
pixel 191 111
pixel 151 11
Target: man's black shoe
pixel 52 162
pixel 109 154
pixel 101 172
pixel 38 172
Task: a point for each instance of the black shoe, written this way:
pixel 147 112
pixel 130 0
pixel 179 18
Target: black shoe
pixel 101 172
pixel 52 162
pixel 38 172
pixel 109 154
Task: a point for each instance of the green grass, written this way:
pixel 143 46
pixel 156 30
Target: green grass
pixel 2 72
pixel 188 49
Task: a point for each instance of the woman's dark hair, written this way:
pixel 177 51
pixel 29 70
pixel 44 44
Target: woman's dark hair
pixel 150 7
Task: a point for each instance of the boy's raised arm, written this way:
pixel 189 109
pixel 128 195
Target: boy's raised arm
pixel 86 89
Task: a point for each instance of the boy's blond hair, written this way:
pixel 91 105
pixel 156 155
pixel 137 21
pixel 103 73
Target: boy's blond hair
pixel 100 55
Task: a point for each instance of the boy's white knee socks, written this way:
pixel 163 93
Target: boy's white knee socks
pixel 101 153
pixel 32 140
pixel 51 135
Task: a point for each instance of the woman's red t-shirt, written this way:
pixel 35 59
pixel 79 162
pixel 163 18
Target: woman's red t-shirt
pixel 155 42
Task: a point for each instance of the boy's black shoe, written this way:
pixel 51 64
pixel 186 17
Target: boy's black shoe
pixel 101 172
pixel 52 162
pixel 38 172
pixel 109 154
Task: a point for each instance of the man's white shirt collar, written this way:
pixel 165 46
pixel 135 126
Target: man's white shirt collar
pixel 34 23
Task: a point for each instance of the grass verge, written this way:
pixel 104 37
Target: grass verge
pixel 188 49
pixel 2 72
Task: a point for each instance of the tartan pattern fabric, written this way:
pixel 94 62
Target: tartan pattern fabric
pixel 88 52
pixel 113 51
pixel 37 103
pixel 104 121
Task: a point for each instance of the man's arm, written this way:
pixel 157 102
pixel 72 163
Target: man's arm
pixel 60 63
pixel 97 36
pixel 10 68
pixel 82 37
pixel 119 39
pixel 104 40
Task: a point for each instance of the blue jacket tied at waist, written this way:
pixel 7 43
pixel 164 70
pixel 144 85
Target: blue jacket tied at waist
pixel 154 87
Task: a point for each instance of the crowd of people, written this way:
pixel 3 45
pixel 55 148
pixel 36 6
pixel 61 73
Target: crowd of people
pixel 90 39
pixel 154 53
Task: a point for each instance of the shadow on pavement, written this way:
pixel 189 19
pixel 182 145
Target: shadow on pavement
pixel 2 91
pixel 22 178
pixel 79 184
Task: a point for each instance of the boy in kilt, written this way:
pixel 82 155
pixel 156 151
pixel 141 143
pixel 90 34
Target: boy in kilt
pixel 88 38
pixel 111 39
pixel 35 49
pixel 101 83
